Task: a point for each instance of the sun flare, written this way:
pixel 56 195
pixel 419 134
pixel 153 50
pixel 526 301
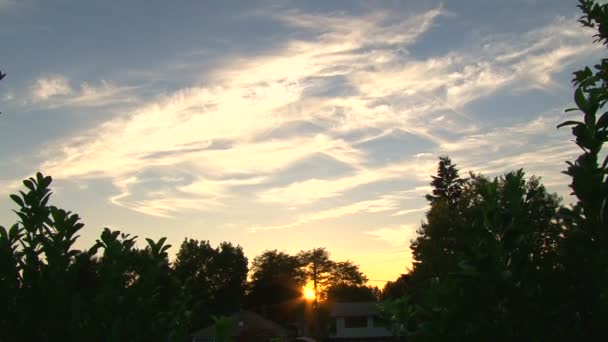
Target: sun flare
pixel 309 294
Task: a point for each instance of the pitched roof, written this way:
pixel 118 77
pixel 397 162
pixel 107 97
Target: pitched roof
pixel 245 321
pixel 354 309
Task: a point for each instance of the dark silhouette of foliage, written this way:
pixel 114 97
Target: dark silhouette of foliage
pixel 344 292
pixel 347 273
pixel 346 283
pixel 318 268
pixel 276 285
pixel 503 260
pixel 585 245
pixel 480 263
pixel 277 281
pixel 52 292
pixel 396 289
pixel 214 277
pixel 447 185
pixel 434 249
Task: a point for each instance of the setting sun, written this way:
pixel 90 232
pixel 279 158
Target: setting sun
pixel 309 294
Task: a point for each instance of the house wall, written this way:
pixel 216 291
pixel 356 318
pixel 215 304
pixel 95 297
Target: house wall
pixel 369 331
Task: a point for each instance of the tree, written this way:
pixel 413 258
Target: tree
pixel 436 244
pixel 318 268
pixel 490 268
pixel 396 289
pixel 346 273
pixel 584 249
pixel 214 277
pixel 276 285
pixel 447 185
pixel 346 284
pixel 50 291
pixel 344 292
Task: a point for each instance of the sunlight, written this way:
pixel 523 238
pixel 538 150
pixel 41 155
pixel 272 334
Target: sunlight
pixel 308 293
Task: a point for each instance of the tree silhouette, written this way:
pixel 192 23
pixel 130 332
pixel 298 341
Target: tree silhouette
pixel 276 285
pixel 585 245
pixel 484 258
pixel 214 277
pixel 347 273
pixel 318 268
pixel 519 266
pixel 51 291
pixel 447 185
pixel 434 249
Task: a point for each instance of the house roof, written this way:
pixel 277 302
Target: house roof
pixel 245 321
pixel 354 309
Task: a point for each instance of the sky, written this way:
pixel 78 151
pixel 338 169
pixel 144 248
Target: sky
pixel 284 125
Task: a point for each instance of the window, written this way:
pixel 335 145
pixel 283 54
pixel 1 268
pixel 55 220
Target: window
pixel 355 322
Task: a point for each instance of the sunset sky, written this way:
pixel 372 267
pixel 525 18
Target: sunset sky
pixel 282 125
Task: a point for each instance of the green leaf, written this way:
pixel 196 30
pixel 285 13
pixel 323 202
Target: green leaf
pixel 602 122
pixel 17 200
pixel 568 123
pixel 29 184
pixel 580 100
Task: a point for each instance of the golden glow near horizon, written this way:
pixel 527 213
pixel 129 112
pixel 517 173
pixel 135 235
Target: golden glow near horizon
pixel 308 293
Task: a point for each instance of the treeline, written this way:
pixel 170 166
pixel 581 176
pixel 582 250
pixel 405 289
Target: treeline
pixel 501 259
pixel 114 291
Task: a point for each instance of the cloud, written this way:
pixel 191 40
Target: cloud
pixel 253 99
pixel 535 145
pixel 412 211
pixel 8 186
pixel 311 190
pixel 538 55
pixel 382 204
pixel 395 236
pixel 49 86
pixel 55 91
pixel 266 114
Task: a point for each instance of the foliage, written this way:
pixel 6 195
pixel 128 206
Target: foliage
pixel 480 262
pixel 500 259
pixel 346 284
pixel 276 285
pixel 345 292
pixel 215 278
pixel 51 291
pixel 437 240
pixel 318 268
pixel 584 249
pixel 396 289
pixel 346 273
pixel 447 185
pixel 222 326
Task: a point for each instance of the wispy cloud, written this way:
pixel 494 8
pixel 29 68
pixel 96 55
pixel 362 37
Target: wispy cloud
pixel 352 81
pixel 50 86
pixel 382 204
pixel 310 190
pixel 55 91
pixel 395 236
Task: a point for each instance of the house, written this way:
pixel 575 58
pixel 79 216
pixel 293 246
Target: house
pixel 358 322
pixel 245 326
